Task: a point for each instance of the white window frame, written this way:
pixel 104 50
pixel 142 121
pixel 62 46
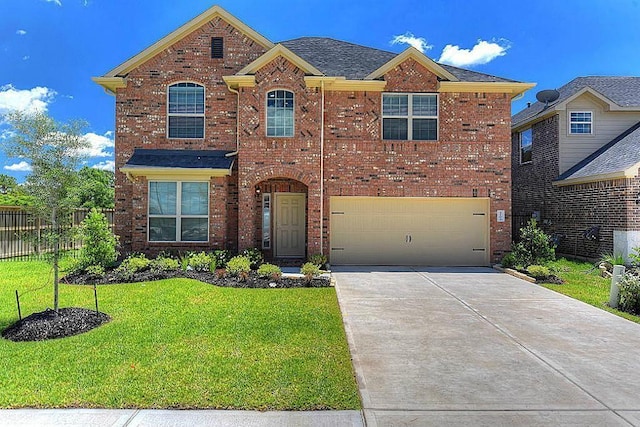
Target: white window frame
pixel 266 113
pixel 178 215
pixel 410 116
pixel 570 122
pixel 204 120
pixel 530 130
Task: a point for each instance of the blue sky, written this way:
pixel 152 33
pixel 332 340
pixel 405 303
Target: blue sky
pixel 50 49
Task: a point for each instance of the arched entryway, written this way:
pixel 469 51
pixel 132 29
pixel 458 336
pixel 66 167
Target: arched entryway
pixel 282 218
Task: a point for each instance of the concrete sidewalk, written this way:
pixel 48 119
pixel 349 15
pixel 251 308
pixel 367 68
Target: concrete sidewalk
pixel 175 418
pixel 471 346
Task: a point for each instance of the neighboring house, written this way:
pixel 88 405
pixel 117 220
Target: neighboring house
pixel 575 165
pixel 227 140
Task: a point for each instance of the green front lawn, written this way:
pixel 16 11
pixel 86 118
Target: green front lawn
pixel 584 283
pixel 178 343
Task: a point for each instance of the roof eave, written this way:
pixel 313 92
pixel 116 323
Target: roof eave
pixel 273 53
pixel 413 53
pixel 169 173
pixel 631 172
pixel 512 88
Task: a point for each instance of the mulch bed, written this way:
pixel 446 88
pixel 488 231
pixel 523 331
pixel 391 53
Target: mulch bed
pixel 48 325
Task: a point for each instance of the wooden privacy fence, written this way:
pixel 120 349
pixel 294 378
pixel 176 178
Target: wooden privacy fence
pixel 22 234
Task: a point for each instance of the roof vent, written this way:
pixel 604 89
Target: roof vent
pixel 547 96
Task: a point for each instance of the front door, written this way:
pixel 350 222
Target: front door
pixel 290 225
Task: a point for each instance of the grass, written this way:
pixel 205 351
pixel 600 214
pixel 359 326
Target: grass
pixel 178 343
pixel 584 283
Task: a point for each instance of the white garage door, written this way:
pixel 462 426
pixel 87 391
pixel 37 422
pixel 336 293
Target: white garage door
pixel 409 231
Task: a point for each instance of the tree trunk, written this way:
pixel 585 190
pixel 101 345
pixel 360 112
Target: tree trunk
pixel 56 256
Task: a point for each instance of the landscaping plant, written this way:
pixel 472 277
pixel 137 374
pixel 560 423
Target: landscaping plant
pixel 99 244
pixel 222 257
pixel 318 259
pixel 538 271
pixel 239 266
pixel 629 294
pixel 270 271
pixel 202 262
pixel 309 270
pixel 131 265
pixel 254 255
pixel 534 247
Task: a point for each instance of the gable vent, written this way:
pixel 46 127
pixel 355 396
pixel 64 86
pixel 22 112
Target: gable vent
pixel 217 47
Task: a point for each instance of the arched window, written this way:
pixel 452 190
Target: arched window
pixel 280 113
pixel 185 110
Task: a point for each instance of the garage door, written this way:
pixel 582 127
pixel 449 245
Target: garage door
pixel 409 231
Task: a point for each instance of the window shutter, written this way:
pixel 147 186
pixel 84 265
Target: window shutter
pixel 217 47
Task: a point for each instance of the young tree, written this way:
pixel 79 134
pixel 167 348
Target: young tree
pixel 54 151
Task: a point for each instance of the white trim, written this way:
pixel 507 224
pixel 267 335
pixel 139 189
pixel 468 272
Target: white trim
pixel 178 215
pixel 591 122
pixel 266 114
pixel 266 196
pixel 520 145
pixel 410 116
pixel 204 103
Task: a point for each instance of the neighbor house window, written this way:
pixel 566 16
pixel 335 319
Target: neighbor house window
pixel 178 211
pixel 280 113
pixel 580 122
pixel 410 116
pixel 185 110
pixel 526 143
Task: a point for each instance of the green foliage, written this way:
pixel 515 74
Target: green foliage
pixel 131 265
pixel 630 293
pixel 99 243
pixel 164 263
pixel 611 259
pixel 96 270
pixel 310 270
pixel 270 271
pixel 202 261
pixel 222 257
pixel 7 184
pixel 317 259
pixel 538 271
pixel 509 260
pixel 239 266
pixel 534 247
pixel 95 188
pixel 254 255
pixel 635 257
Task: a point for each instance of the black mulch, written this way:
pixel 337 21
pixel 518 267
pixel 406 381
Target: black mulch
pixel 47 325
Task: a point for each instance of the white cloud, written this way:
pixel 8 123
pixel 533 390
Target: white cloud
pixel 26 58
pixel 419 43
pixel 29 100
pixel 54 1
pixel 19 167
pixel 482 53
pixel 108 165
pixel 98 145
pixel 21 32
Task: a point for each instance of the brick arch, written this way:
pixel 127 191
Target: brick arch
pixel 279 171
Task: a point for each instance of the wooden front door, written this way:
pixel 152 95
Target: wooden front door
pixel 290 225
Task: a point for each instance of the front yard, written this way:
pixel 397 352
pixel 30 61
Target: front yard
pixel 178 343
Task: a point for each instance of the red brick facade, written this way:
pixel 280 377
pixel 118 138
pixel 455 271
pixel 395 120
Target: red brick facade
pixel 471 157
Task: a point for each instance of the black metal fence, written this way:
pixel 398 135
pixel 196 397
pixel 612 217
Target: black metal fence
pixel 22 235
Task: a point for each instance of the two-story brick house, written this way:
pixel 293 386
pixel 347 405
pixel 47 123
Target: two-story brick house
pixel 227 140
pixel 575 165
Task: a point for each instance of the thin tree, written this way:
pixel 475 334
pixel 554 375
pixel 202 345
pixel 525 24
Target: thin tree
pixel 54 151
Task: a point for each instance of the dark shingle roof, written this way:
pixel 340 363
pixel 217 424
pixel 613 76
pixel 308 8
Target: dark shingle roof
pixel 624 91
pixel 618 155
pixel 339 58
pixel 188 159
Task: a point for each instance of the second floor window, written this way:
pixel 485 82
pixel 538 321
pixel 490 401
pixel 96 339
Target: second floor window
pixel 580 122
pixel 280 113
pixel 185 112
pixel 526 144
pixel 410 116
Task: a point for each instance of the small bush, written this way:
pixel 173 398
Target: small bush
pixel 630 293
pixel 317 259
pixel 163 263
pixel 95 270
pixel 534 248
pixel 222 257
pixel 610 259
pixel 310 270
pixel 538 271
pixel 239 266
pixel 270 271
pixel 254 255
pixel 202 261
pixel 509 260
pixel 131 265
pixel 635 257
pixel 99 244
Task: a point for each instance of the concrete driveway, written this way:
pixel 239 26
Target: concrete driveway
pixel 472 346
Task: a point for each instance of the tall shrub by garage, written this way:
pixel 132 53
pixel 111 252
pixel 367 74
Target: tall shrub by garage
pixel 535 246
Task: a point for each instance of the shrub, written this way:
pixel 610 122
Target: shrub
pixel 538 271
pixel 610 259
pixel 509 260
pixel 239 266
pixel 202 262
pixel 318 259
pixel 630 293
pixel 534 247
pixel 222 257
pixel 131 265
pixel 270 271
pixel 310 270
pixel 99 246
pixel 254 255
pixel 164 263
pixel 635 257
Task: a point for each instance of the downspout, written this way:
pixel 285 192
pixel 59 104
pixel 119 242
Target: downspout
pixel 232 90
pixel 322 168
